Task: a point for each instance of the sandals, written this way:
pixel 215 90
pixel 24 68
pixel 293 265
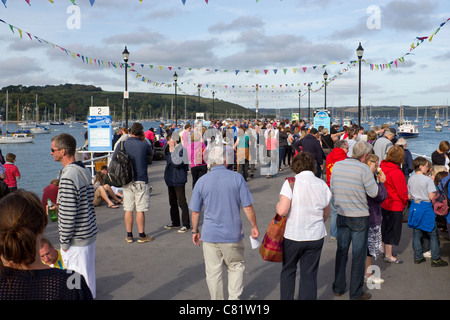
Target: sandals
pixel 113 206
pixel 396 261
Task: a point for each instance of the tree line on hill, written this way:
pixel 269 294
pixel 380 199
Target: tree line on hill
pixel 74 101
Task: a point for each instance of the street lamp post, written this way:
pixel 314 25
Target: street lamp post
pixel 299 97
pixel 198 88
pixel 126 56
pixel 175 78
pixel 213 94
pixel 309 102
pixel 359 52
pixel 325 77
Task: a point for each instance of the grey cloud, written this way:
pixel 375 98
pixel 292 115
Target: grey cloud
pixel 262 50
pixel 240 23
pixel 409 15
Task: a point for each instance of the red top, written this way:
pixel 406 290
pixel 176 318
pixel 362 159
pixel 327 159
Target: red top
pixel 397 190
pixel 337 154
pixel 50 192
pixel 11 174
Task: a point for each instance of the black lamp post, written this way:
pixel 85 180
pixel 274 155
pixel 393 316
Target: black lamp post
pixel 325 77
pixel 309 102
pixel 198 88
pixel 213 94
pixel 299 97
pixel 175 78
pixel 359 52
pixel 126 56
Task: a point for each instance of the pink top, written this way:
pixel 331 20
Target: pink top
pixel 195 153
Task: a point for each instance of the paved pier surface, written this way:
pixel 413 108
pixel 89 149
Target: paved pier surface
pixel 171 267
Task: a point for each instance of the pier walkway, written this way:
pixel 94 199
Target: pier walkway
pixel 171 267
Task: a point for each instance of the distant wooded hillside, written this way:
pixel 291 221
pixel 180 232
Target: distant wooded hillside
pixel 75 100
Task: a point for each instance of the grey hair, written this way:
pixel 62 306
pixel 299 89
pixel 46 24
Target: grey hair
pixel 340 143
pixel 216 156
pixel 361 148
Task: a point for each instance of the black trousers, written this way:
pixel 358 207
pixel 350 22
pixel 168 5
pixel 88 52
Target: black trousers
pixel 197 172
pixel 308 253
pixel 177 198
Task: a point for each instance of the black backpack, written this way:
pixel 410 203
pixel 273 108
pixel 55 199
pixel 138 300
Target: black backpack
pixel 120 169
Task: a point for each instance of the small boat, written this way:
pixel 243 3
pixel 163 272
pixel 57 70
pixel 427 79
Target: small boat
pixel 38 129
pixel 347 122
pixel 17 138
pixel 407 130
pixel 438 126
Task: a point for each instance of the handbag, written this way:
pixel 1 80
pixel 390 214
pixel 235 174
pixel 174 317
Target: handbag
pixel 271 248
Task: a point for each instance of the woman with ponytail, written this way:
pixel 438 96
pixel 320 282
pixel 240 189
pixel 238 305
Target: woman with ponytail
pixel 22 274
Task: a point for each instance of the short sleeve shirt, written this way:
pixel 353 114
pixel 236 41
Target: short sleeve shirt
pixel 222 192
pixel 419 186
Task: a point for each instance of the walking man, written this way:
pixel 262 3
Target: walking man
pixel 77 223
pixel 222 225
pixel 351 180
pixel 136 194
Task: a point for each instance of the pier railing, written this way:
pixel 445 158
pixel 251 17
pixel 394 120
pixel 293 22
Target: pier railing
pixel 93 163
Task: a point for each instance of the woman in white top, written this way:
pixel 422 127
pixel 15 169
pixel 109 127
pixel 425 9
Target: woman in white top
pixel 307 207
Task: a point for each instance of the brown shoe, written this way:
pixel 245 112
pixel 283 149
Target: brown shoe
pixel 147 238
pixel 365 296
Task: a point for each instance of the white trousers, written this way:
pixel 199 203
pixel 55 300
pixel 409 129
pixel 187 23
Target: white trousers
pixel 82 260
pixel 232 256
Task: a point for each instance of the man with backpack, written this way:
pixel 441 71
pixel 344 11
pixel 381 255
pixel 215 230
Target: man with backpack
pixel 136 194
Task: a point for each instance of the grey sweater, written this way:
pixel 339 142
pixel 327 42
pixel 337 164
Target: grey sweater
pixel 350 182
pixel 77 223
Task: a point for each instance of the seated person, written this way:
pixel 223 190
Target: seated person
pixel 103 192
pixel 117 191
pixel 49 255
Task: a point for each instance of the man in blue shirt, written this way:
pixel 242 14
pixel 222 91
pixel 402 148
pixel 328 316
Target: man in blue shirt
pixel 222 225
pixel 136 194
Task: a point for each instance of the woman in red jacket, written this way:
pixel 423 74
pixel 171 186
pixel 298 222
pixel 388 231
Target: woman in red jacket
pixel 392 207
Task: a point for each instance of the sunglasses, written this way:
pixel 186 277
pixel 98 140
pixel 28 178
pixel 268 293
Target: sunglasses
pixel 53 150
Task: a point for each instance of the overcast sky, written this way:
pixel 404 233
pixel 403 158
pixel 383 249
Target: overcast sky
pixel 229 46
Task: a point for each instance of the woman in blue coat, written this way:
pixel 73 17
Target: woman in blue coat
pixel 175 177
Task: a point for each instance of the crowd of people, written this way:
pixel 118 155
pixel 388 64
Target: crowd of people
pixel 366 181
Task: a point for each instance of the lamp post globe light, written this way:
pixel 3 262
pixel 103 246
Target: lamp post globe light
pixel 359 52
pixel 175 78
pixel 325 77
pixel 126 56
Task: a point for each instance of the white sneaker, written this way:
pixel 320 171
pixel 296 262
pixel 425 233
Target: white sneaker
pixel 183 229
pixel 427 254
pixel 373 280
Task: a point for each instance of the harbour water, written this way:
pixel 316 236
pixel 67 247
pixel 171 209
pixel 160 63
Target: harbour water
pixel 38 168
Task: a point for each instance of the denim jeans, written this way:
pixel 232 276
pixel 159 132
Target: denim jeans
pixel 434 243
pixel 352 231
pixel 333 226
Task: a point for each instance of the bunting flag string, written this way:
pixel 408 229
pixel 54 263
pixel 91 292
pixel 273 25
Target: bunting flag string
pixel 91 1
pixel 99 62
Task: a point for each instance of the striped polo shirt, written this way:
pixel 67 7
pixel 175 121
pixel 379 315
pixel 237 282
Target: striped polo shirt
pixel 350 182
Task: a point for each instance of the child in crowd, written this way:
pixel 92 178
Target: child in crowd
pixel 12 172
pixel 421 190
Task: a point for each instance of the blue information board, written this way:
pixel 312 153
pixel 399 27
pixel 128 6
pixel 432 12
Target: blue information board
pixel 322 118
pixel 99 133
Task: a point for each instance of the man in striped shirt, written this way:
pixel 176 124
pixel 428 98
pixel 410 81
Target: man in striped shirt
pixel 77 223
pixel 351 182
